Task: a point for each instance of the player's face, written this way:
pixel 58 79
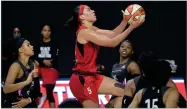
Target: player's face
pixel 126 49
pixel 88 14
pixel 16 30
pixel 27 48
pixel 46 31
pixel 16 33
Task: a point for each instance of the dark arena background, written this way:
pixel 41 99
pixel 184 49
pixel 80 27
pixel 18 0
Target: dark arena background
pixel 164 32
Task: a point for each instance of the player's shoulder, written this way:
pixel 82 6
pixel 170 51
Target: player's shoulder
pixel 133 64
pixel 172 91
pixel 83 32
pixel 115 65
pixel 15 67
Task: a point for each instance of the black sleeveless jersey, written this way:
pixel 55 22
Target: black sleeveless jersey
pixel 24 92
pixel 120 72
pixel 152 98
pixel 140 83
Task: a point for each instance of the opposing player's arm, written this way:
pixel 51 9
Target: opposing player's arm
pixel 129 92
pixel 172 99
pixel 12 75
pixel 129 88
pixel 103 40
pixel 114 32
pixel 136 100
pixel 134 68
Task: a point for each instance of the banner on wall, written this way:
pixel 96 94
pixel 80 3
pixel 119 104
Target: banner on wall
pixel 62 92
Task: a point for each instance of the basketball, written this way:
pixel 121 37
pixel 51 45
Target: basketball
pixel 134 12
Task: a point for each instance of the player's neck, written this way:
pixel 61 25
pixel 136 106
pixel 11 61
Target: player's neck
pixel 123 60
pixel 88 24
pixel 24 60
pixel 47 39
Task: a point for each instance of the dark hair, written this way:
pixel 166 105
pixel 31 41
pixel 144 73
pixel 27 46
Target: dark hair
pixel 162 73
pixel 146 58
pixel 42 26
pixel 128 42
pixel 19 42
pixel 73 21
pixel 156 72
pixel 70 103
pixel 145 61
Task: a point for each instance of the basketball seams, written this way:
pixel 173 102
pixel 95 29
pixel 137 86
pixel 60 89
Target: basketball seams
pixel 134 10
pixel 130 9
pixel 137 13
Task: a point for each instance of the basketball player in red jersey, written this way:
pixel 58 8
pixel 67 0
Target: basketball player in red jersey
pixel 85 83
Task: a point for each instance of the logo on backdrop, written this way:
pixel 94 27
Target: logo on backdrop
pixel 172 65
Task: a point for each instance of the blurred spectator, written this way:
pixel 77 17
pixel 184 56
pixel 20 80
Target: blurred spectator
pixel 46 53
pixel 8 51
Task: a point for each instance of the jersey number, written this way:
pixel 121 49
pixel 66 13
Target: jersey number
pixel 148 102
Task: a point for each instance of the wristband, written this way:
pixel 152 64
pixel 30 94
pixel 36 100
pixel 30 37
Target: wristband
pixel 30 100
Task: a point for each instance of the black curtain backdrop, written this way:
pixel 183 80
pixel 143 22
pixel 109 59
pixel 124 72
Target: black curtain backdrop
pixel 163 31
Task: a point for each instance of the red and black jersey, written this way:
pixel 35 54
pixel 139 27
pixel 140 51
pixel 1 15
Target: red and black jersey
pixel 86 55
